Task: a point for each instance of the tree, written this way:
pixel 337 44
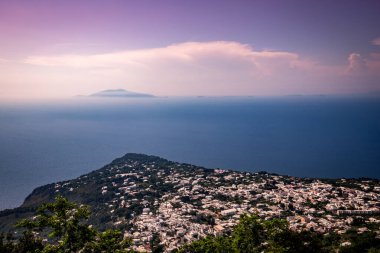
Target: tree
pixel 155 244
pixel 209 244
pixel 254 235
pixel 108 241
pixel 64 221
pixel 249 234
pixel 6 243
pixel 29 242
pixel 65 224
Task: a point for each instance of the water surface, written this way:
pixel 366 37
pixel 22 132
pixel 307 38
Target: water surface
pixel 308 137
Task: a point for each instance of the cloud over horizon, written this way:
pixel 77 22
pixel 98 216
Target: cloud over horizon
pixel 196 68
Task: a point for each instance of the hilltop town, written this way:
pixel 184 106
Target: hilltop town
pixel 150 198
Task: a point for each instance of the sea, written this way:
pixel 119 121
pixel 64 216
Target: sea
pixel 304 136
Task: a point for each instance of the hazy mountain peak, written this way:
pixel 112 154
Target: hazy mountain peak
pixel 119 93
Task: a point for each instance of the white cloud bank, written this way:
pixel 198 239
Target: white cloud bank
pixel 196 68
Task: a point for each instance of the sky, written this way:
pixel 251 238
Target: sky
pixel 57 49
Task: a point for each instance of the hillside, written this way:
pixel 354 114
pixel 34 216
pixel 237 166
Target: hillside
pixel 147 196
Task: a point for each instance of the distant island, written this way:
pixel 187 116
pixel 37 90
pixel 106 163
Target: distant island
pixel 121 93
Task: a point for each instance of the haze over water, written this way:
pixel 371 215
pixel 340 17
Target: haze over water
pixel 299 136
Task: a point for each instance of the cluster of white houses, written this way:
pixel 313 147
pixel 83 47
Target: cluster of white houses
pixel 203 202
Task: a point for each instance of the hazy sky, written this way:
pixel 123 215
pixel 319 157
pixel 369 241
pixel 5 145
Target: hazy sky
pixel 170 47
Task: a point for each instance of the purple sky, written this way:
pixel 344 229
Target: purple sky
pixel 64 48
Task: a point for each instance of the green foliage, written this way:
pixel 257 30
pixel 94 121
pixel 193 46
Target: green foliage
pixel 248 234
pixel 108 241
pixel 210 244
pixel 155 244
pixel 361 242
pixel 254 235
pixel 65 224
pixel 64 220
pixel 6 244
pixel 29 242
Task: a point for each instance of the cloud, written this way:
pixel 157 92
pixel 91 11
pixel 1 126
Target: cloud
pixel 376 41
pixel 356 63
pixel 194 68
pixel 186 53
pixel 368 67
pixel 191 68
pixel 216 57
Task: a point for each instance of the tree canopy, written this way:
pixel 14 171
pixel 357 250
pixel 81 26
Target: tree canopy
pixel 255 235
pixel 61 227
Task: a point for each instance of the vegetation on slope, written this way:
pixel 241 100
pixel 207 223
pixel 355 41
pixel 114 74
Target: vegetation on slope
pixel 61 227
pixel 254 235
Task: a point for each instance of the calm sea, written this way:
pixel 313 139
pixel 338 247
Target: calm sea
pixel 300 136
